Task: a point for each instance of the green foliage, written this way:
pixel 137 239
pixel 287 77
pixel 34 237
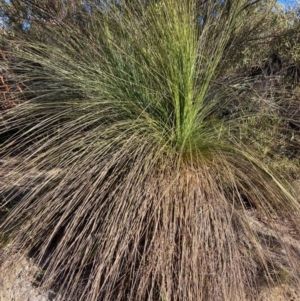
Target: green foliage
pixel 138 153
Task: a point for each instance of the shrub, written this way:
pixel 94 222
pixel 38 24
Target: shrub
pixel 137 181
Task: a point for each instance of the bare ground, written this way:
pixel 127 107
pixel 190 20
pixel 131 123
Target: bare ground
pixel 17 281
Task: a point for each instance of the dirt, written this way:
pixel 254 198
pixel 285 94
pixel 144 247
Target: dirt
pixel 18 281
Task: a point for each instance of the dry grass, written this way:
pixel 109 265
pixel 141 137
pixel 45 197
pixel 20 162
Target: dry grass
pixel 134 184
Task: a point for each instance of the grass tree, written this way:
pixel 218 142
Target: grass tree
pixel 135 179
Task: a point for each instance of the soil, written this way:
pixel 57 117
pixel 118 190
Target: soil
pixel 18 281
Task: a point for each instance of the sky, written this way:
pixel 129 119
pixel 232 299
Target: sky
pixel 287 1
